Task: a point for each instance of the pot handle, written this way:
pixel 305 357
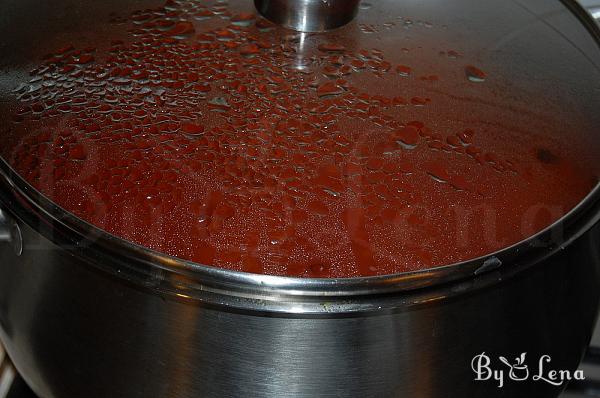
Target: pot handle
pixel 10 232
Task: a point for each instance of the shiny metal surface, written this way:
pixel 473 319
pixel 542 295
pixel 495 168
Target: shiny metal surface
pixel 8 374
pixel 10 232
pixel 593 7
pixel 122 340
pixel 173 336
pixel 5 233
pixel 308 15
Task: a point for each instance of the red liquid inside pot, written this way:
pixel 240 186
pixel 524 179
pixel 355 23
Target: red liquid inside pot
pixel 207 133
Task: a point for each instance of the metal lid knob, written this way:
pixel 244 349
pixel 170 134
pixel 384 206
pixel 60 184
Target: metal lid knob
pixel 308 15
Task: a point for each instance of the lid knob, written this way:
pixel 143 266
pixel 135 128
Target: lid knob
pixel 308 15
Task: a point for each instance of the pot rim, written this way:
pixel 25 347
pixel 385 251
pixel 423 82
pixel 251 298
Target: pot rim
pixel 182 277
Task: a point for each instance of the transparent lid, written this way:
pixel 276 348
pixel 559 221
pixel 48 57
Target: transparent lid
pixel 420 134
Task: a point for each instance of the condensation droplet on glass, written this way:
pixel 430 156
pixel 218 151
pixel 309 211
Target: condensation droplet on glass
pixel 475 74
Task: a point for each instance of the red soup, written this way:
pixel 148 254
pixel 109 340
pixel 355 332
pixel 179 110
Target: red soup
pixel 203 131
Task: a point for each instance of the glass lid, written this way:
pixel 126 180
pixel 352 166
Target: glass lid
pixel 420 134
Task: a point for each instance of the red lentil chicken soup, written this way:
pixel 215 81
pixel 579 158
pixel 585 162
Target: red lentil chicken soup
pixel 408 139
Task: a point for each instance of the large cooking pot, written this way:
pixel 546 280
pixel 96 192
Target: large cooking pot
pixel 86 314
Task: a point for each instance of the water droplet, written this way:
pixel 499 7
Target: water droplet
pixel 328 89
pixel 403 70
pixel 83 59
pixel 466 136
pixel 243 19
pixel 475 74
pixel 407 137
pixel 219 104
pixel 249 49
pixel 332 47
pixel 437 171
pixel 419 101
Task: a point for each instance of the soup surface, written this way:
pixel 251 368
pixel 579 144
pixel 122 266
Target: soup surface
pixel 393 144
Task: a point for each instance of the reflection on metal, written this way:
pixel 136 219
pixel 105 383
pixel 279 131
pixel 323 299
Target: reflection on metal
pixel 5 235
pixel 7 374
pixel 10 233
pixel 593 6
pixel 308 15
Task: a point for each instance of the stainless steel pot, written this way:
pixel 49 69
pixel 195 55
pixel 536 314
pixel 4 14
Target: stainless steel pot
pixel 83 313
pixel 102 318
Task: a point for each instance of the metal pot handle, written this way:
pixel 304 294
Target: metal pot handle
pixel 10 232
